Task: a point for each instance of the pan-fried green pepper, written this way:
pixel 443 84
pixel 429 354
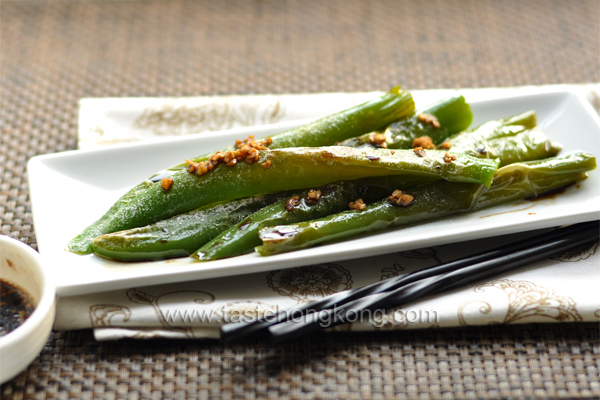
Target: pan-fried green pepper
pixel 438 199
pixel 294 168
pixel 531 144
pixel 182 234
pixel 534 178
pixel 243 237
pixel 511 139
pixel 450 115
pixel 467 140
pixel 328 131
pixel 492 136
pixel 168 238
pixel 528 145
pixel 333 198
pixel 374 114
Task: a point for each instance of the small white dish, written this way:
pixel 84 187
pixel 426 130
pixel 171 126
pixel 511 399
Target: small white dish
pixel 71 190
pixel 21 267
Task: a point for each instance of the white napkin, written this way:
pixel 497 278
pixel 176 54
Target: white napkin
pixel 559 289
pixel 123 120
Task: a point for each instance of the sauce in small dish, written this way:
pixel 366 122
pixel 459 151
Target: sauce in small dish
pixel 27 306
pixel 15 307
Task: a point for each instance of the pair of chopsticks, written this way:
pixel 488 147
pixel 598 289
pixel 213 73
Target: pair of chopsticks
pixel 394 292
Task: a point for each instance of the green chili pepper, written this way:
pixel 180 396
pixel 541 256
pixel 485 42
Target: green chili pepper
pixel 240 239
pixel 374 114
pixel 243 237
pixel 525 146
pixel 180 235
pixel 497 129
pixel 151 242
pixel 534 178
pixel 521 147
pixel 294 168
pixel 438 199
pixel 328 131
pixel 531 144
pixel 512 139
pixel 452 114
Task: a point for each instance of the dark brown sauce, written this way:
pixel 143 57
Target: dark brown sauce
pixel 507 212
pixel 551 194
pixel 15 307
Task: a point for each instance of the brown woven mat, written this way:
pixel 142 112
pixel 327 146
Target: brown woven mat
pixel 526 360
pixel 53 53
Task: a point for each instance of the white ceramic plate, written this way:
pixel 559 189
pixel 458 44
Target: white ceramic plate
pixel 71 190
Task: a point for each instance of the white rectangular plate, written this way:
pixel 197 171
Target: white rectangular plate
pixel 73 189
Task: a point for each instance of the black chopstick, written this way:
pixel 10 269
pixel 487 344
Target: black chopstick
pixel 249 330
pixel 534 249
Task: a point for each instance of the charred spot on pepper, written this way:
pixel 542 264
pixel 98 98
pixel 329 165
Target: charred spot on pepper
pixel 292 203
pixel 401 199
pixel 419 151
pixel 429 119
pixel 358 205
pixel 481 149
pixel 166 184
pixel 313 196
pixel 423 142
pixel 372 157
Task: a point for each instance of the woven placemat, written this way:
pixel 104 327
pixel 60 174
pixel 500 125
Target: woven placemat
pixel 496 362
pixel 54 53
